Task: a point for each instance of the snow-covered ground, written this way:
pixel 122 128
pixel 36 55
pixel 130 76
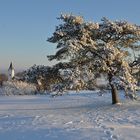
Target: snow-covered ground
pixel 81 116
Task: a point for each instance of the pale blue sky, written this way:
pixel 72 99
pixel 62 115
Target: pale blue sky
pixel 25 25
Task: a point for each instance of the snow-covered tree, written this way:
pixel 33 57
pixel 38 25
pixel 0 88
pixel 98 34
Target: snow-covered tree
pixel 42 76
pixel 136 69
pixel 100 47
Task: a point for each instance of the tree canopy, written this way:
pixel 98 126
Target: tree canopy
pixel 98 47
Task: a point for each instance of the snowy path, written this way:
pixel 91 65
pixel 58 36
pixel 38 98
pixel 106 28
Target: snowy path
pixel 69 117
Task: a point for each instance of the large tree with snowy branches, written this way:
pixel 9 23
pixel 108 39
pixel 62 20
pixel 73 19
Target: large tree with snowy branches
pixel 98 48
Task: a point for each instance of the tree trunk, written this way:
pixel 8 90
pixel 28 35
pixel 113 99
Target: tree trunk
pixel 115 98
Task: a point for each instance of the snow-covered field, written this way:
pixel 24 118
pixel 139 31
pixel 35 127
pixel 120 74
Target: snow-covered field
pixel 80 116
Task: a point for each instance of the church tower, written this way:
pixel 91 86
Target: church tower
pixel 11 72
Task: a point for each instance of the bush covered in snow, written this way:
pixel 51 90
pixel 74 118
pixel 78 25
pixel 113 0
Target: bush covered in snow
pixel 42 76
pixel 17 88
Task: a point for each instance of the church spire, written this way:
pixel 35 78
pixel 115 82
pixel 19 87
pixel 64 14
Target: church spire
pixel 11 66
pixel 11 72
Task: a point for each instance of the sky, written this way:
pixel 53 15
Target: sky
pixel 25 25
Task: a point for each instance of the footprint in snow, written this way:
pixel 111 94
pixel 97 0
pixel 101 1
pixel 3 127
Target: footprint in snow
pixel 114 137
pixel 108 132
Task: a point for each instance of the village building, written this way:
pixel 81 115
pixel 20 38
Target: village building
pixel 11 72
